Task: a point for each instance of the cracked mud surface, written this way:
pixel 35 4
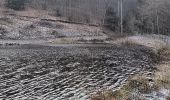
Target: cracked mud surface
pixel 47 73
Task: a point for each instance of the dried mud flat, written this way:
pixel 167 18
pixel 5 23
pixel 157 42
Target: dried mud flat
pixel 71 72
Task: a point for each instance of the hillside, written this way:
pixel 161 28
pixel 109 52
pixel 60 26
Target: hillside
pixel 26 27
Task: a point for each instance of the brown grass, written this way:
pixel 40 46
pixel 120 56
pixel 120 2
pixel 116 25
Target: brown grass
pixel 105 95
pixel 164 52
pixel 162 76
pixel 64 40
pixel 140 83
pixel 136 84
pixel 5 21
pixel 127 43
pixel 168 98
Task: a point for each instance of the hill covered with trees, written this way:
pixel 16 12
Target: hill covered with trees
pixel 136 16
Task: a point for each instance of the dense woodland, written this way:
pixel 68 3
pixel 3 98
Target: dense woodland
pixel 126 16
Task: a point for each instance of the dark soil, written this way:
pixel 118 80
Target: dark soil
pixel 36 72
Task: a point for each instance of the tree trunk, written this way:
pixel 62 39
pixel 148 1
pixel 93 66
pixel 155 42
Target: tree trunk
pixel 121 20
pixel 157 21
pixel 118 14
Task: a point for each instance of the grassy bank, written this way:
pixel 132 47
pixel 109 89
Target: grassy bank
pixel 140 86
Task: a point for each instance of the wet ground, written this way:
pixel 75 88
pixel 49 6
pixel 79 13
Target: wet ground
pixel 32 72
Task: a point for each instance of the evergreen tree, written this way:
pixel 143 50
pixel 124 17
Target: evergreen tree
pixel 111 19
pixel 16 4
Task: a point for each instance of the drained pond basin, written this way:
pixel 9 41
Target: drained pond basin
pixel 32 72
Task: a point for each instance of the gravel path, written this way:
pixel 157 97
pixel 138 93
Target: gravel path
pixel 47 73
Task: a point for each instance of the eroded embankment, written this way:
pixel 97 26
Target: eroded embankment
pixel 42 72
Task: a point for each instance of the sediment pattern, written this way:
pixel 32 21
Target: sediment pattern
pixel 47 73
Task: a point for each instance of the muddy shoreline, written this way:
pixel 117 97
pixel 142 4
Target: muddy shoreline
pixel 47 72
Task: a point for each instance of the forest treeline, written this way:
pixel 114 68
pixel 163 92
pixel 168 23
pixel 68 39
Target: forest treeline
pixel 134 16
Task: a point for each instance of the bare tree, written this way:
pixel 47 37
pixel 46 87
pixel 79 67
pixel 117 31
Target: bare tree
pixel 121 15
pixel 155 15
